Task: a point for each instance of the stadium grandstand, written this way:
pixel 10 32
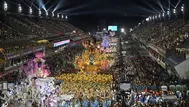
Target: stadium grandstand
pixel 56 53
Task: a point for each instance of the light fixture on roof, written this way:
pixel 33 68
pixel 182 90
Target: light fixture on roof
pixel 5 6
pixel 39 12
pixel 174 11
pixel 52 14
pixel 182 8
pixel 47 13
pixel 66 17
pixel 30 11
pixel 159 15
pixel 122 30
pixel 19 8
pixel 168 12
pixel 156 16
pixel 147 19
pixel 163 14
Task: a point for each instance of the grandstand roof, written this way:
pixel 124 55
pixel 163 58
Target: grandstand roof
pixel 112 11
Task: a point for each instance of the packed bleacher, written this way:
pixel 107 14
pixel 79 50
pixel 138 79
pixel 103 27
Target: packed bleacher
pixel 22 29
pixel 8 33
pixel 166 35
pixel 19 27
pixel 145 70
pixel 62 61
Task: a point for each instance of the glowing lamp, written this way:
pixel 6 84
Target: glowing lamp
pixel 160 15
pixel 147 19
pixel 30 11
pixel 163 14
pixel 52 14
pixel 122 30
pixel 47 13
pixel 5 6
pixel 182 8
pixel 39 12
pixel 174 11
pixel 19 8
pixel 168 12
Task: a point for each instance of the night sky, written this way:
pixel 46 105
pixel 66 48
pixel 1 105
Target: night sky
pixel 88 14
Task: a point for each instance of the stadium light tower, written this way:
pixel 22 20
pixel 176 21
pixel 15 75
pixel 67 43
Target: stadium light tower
pixel 159 16
pixel 156 16
pixel 39 12
pixel 58 15
pixel 147 19
pixel 52 14
pixel 19 8
pixel 30 11
pixel 163 14
pixel 174 11
pixel 168 13
pixel 5 6
pixel 46 13
pixel 122 30
pixel 182 8
pixel 66 17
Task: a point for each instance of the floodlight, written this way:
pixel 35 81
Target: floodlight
pixel 182 8
pixel 147 19
pixel 163 14
pixel 168 12
pixel 57 15
pixel 52 14
pixel 46 13
pixel 174 11
pixel 66 17
pixel 156 16
pixel 30 10
pixel 104 29
pixel 122 30
pixel 39 12
pixel 159 15
pixel 5 6
pixel 62 16
pixel 19 8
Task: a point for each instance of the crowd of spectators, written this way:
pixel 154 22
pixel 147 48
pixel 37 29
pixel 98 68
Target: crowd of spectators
pixel 8 34
pixel 21 28
pixel 166 35
pixel 146 71
pixel 15 28
pixel 63 60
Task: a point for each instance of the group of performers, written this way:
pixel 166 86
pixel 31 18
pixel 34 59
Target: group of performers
pixel 91 88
